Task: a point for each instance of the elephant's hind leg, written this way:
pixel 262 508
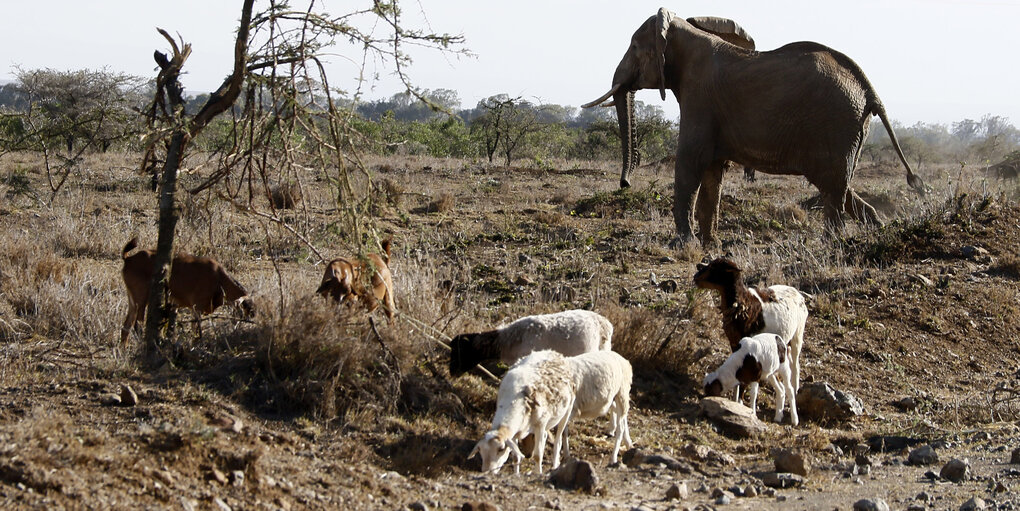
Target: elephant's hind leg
pixel 860 210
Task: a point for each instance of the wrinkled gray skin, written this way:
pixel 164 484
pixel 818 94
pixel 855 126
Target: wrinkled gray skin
pixel 802 109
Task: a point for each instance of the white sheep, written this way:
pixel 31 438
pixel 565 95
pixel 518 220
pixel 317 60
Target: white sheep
pixel 534 397
pixel 601 382
pixel 569 332
pixel 761 358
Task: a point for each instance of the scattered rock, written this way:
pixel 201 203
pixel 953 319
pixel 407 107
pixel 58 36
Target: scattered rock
pixel 479 506
pixel 819 401
pixel 791 462
pixel 215 475
pixel 923 455
pixel 128 396
pixel 165 476
pixel 237 477
pixel 976 253
pixel 109 400
pixel 723 500
pixel 575 474
pixel 890 443
pixel 956 470
pixel 906 404
pixel 221 505
pixel 634 457
pixel 973 504
pixel 733 419
pixel 781 480
pixel 678 492
pixel 751 491
pixel 417 506
pixel 1015 457
pixel 871 505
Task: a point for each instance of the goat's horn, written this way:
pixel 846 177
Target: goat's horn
pixel 603 98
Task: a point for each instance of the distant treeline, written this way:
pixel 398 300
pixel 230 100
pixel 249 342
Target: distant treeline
pixel 100 108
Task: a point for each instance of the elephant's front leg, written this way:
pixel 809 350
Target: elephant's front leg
pixel 708 204
pixel 687 180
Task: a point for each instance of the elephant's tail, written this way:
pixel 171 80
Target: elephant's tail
pixel 913 180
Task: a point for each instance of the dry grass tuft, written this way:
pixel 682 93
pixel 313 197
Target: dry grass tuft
pixel 443 203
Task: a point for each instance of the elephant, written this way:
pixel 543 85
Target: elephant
pixel 802 109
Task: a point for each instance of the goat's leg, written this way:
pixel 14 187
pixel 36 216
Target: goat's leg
pixel 780 395
pixel 134 313
pixel 752 391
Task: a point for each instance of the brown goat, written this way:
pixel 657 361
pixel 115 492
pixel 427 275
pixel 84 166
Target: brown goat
pixel 198 283
pixel 343 281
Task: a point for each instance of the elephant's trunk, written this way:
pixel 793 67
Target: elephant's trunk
pixel 628 133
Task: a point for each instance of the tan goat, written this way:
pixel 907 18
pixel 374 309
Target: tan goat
pixel 197 283
pixel 343 281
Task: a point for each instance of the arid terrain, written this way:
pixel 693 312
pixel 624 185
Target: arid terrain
pixel 311 407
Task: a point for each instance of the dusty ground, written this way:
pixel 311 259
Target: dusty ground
pixel 902 312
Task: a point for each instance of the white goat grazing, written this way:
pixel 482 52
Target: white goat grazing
pixel 762 358
pixel 534 397
pixel 569 332
pixel 601 383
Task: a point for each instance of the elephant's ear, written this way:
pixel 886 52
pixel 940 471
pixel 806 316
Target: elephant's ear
pixel 727 29
pixel 662 23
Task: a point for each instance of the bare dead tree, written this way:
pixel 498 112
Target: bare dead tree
pixel 285 118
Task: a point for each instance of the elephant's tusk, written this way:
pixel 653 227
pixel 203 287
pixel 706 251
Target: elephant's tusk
pixel 607 105
pixel 603 98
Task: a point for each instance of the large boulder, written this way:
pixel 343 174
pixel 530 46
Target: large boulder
pixel 733 419
pixel 818 401
pixel 575 474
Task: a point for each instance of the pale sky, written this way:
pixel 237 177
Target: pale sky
pixel 934 61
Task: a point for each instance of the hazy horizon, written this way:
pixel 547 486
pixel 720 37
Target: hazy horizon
pixel 934 61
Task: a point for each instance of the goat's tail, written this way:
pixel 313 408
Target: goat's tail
pixel 386 249
pixel 129 247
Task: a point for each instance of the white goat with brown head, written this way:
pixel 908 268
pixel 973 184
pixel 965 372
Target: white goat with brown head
pixel 197 283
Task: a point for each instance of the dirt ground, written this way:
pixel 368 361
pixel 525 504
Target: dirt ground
pixel 927 308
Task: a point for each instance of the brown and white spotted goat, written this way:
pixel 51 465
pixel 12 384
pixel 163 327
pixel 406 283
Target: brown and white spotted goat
pixel 343 281
pixel 197 283
pixel 761 358
pixel 747 311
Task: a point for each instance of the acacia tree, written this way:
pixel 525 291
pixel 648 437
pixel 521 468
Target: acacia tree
pixel 64 114
pixel 288 112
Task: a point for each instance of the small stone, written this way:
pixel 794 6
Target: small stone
pixel 781 480
pixel 128 396
pixel 791 462
pixel 237 477
pixel 871 505
pixel 924 497
pixel 956 470
pixel 733 419
pixel 222 506
pixel 165 476
pixel 216 475
pixel 678 492
pixel 751 491
pixel 723 500
pixel 917 507
pixel 109 400
pixel 819 401
pixel 974 504
pixel 906 404
pixel 923 455
pixel 479 506
pixel 417 506
pixel 1014 458
pixel 575 475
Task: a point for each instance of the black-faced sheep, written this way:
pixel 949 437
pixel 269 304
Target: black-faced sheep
pixel 761 358
pixel 569 332
pixel 748 311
